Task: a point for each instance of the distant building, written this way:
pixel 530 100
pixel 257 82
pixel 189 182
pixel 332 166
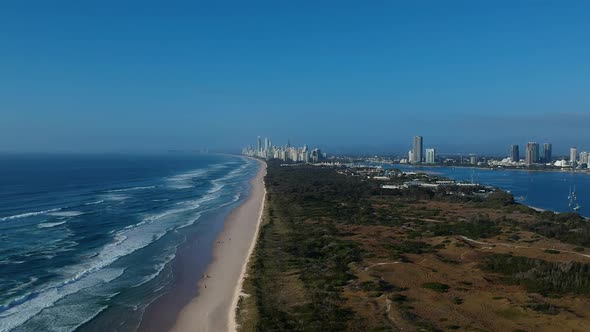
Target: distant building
pixel 573 156
pixel 316 155
pixel 584 157
pixel 532 153
pixel 547 152
pixel 266 143
pixel 514 153
pixel 431 156
pixel 287 153
pixel 473 160
pixel 418 149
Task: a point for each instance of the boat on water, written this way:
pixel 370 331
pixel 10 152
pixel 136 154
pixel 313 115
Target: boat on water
pixel 573 200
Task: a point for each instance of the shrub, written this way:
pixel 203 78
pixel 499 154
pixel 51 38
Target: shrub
pixel 437 287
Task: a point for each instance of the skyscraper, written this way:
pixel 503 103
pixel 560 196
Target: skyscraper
pixel 417 149
pixel 515 153
pixel 573 155
pixel 584 157
pixel 532 153
pixel 547 152
pixel 431 156
pixel 259 147
pixel 266 144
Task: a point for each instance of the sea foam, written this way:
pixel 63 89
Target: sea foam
pixel 96 269
pixel 50 224
pixel 66 213
pixel 131 189
pixel 29 214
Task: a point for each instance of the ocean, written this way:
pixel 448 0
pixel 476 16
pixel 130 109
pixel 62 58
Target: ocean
pixel 87 242
pixel 544 190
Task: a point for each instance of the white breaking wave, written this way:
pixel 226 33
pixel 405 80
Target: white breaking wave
pixel 51 224
pixel 29 214
pixel 184 180
pixel 22 286
pixel 31 304
pixel 66 213
pixel 95 270
pixel 158 267
pixel 95 202
pixel 131 189
pixel 115 197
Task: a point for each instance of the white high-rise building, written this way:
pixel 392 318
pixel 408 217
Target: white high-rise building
pixel 431 156
pixel 264 149
pixel 584 157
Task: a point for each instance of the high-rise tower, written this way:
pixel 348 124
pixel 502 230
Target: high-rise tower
pixel 532 153
pixel 431 156
pixel 417 149
pixel 547 152
pixel 514 153
pixel 573 155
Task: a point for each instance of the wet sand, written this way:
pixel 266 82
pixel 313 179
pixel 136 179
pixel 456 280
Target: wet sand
pixel 213 309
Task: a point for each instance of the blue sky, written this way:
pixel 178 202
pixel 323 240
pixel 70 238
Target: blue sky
pixel 470 76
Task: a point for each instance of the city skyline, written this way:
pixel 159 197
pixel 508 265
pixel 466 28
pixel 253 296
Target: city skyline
pixel 533 156
pixel 287 153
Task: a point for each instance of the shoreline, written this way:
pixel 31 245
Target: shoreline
pixel 232 324
pixel 218 291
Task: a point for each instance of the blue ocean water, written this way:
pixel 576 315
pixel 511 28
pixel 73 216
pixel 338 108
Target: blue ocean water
pixel 80 234
pixel 544 190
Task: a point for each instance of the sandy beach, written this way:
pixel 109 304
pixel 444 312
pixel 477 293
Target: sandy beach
pixel 218 291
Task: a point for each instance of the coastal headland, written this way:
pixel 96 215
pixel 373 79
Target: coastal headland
pixel 337 252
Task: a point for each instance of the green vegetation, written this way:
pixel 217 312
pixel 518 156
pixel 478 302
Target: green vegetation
pixel 399 298
pixel 301 262
pixel 437 287
pixel 458 300
pixel 408 247
pixel 539 276
pixel 377 288
pixel 544 308
pixel 477 227
pixel 332 245
pixel 565 227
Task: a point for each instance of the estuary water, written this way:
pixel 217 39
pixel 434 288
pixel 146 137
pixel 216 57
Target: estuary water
pixel 83 234
pixel 544 190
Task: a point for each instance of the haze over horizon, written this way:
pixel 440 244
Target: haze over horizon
pixel 470 77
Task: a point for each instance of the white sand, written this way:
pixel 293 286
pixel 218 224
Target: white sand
pixel 214 308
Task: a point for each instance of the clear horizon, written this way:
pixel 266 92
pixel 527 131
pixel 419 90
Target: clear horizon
pixel 148 76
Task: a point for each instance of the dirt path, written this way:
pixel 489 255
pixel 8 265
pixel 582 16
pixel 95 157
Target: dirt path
pixel 509 245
